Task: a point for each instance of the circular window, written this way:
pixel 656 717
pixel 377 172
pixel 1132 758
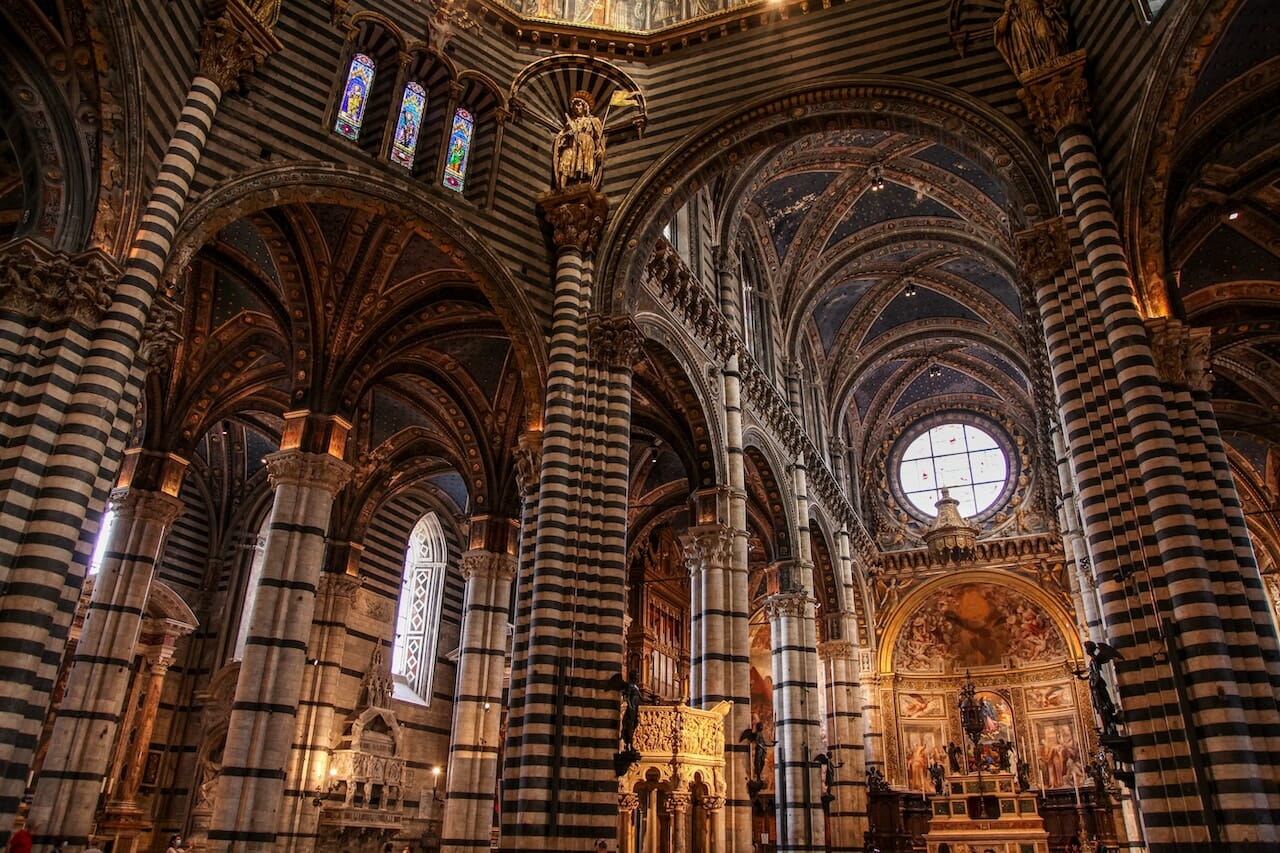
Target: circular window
pixel 962 458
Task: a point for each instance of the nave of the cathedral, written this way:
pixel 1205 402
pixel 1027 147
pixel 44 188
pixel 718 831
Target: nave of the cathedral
pixel 693 425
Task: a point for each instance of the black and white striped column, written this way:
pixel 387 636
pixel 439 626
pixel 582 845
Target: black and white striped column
pixel 260 732
pixel 737 806
pixel 308 769
pixel 1201 748
pixel 66 792
pixel 842 692
pixel 797 785
pixel 69 408
pixel 560 782
pixel 473 746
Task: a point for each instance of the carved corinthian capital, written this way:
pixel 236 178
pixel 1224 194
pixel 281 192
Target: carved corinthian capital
pixel 706 546
pixel 614 341
pixel 576 218
pixel 1181 354
pixel 787 604
pixel 145 505
pixel 1057 96
pixel 1045 251
pixel 161 336
pixel 54 286
pixel 234 42
pixel 298 468
pixel 487 564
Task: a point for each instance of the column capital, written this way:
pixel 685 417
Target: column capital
pixel 234 42
pixel 1056 95
pixel 40 283
pixel 339 585
pixel 614 340
pixel 1180 353
pixel 161 335
pixel 726 260
pixel 487 564
pixel 528 458
pixel 782 604
pixel 711 804
pixel 833 649
pixel 145 505
pixel 628 802
pixel 707 545
pixel 677 802
pixel 299 468
pixel 576 217
pixel 1045 251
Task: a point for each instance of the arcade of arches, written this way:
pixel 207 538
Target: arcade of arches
pixel 710 427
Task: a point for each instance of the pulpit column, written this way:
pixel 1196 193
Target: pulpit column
pixel 677 808
pixel 628 806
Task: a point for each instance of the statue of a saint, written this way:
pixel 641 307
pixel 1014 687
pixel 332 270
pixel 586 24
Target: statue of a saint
pixel 630 714
pixel 579 146
pixel 1031 33
pixel 759 743
pixel 1100 654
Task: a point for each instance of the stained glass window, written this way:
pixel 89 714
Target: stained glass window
pixel 412 106
pixel 455 164
pixel 355 96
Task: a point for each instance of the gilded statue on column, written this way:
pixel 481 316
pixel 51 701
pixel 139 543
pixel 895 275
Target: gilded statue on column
pixel 579 146
pixel 1031 33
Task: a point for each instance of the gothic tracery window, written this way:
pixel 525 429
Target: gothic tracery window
pixel 413 655
pixel 355 96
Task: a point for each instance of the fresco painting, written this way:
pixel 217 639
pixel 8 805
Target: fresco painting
pixel 762 689
pixel 1059 758
pixel 976 625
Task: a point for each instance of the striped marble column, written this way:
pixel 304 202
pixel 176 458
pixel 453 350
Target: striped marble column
pixel 70 391
pixel 308 768
pixel 737 805
pixel 473 746
pixel 84 732
pixel 1200 747
pixel 528 458
pixel 848 789
pixel 260 732
pixel 561 785
pixel 713 623
pixel 797 784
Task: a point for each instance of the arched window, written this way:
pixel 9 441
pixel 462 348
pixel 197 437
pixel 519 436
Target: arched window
pixel 355 96
pixel 455 164
pixel 412 105
pixel 104 537
pixel 251 588
pixel 413 654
